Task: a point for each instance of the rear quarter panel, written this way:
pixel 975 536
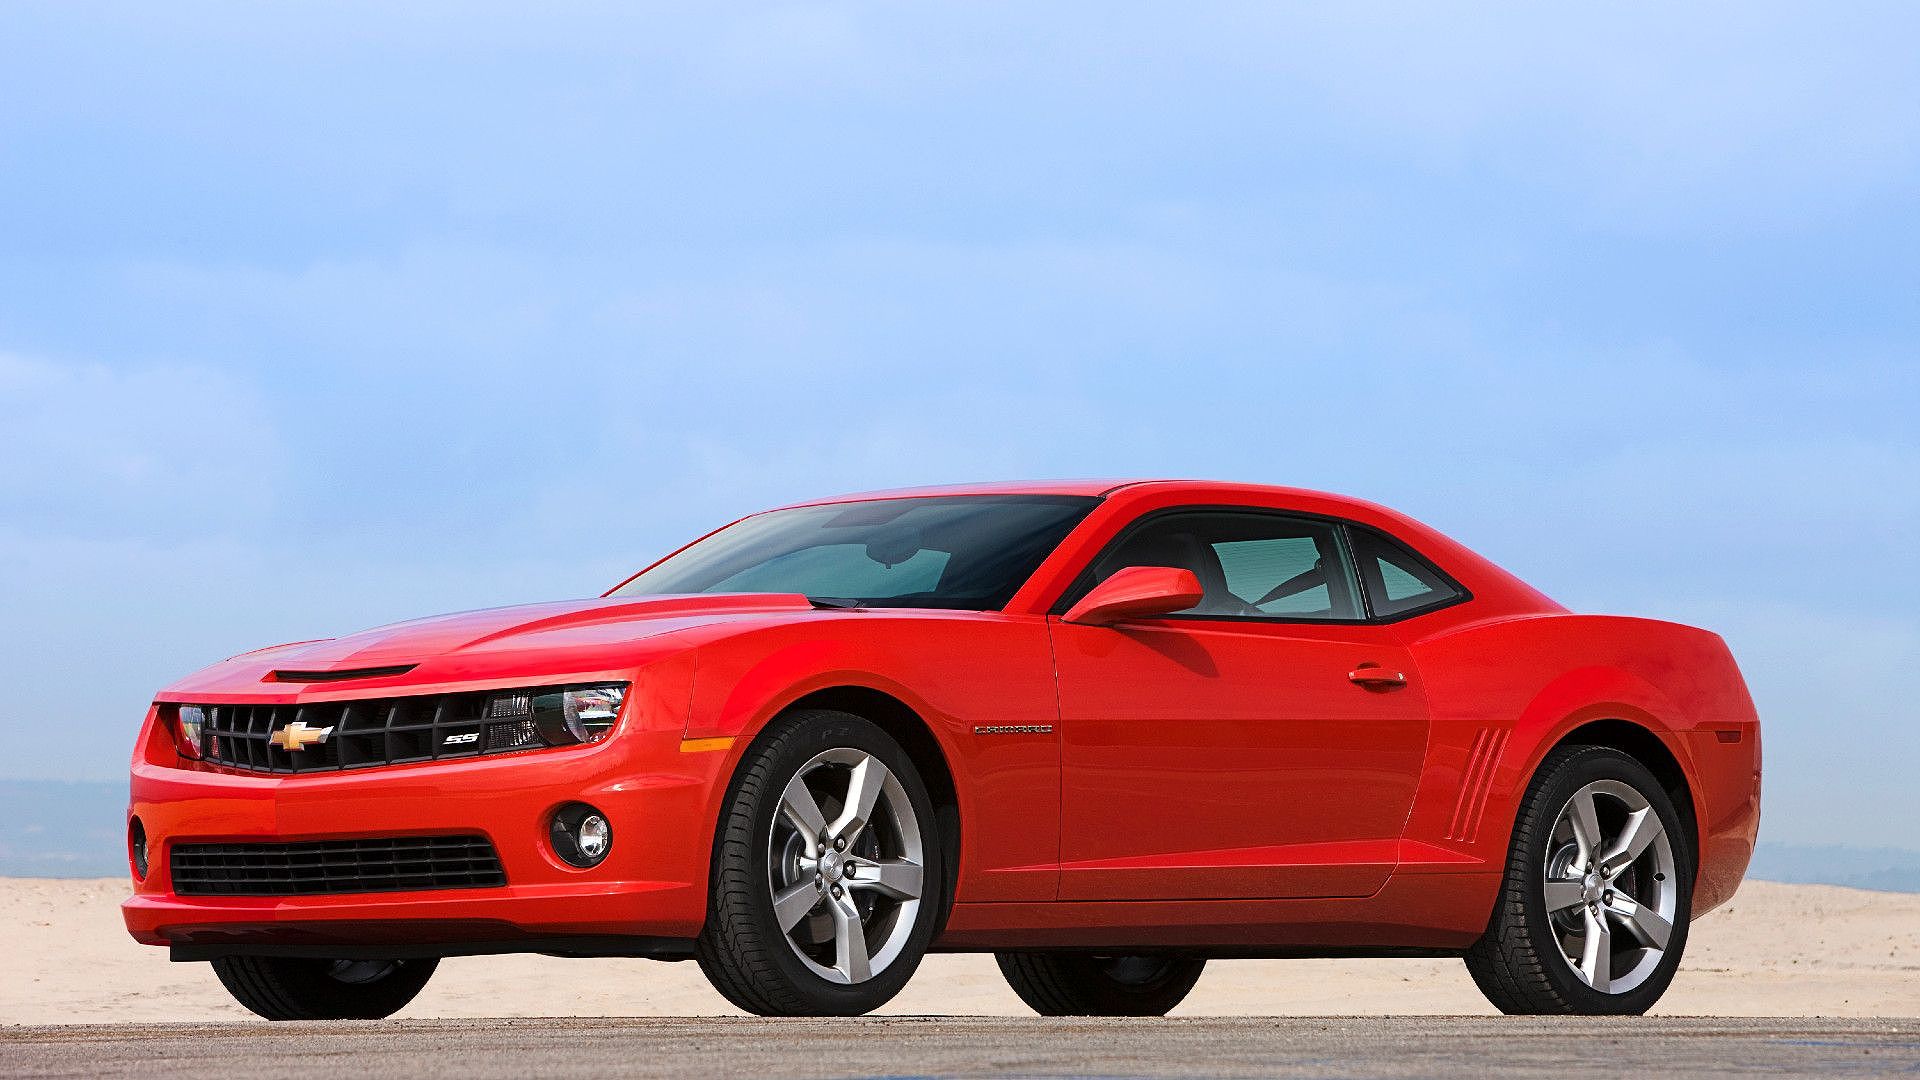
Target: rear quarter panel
pixel 1504 692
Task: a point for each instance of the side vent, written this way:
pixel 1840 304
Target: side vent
pixel 1474 784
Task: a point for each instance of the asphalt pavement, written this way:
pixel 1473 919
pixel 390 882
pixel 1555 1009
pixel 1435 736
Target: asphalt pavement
pixel 1478 1047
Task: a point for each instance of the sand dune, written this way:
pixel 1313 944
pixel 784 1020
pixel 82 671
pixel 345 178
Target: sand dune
pixel 1776 950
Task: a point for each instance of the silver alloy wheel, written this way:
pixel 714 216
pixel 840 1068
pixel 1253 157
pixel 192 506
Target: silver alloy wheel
pixel 845 865
pixel 1610 886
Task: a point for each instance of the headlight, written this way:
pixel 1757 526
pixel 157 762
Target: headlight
pixel 563 716
pixel 190 719
pixel 579 714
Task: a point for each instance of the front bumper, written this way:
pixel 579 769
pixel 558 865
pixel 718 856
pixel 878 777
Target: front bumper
pixel 647 898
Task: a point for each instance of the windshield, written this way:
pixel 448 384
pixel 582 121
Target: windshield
pixel 968 552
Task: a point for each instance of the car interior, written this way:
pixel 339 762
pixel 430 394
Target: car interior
pixel 1248 565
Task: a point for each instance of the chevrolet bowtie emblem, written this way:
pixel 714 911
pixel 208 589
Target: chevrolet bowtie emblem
pixel 298 736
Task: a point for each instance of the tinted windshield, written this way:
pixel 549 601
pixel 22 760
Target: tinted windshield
pixel 970 552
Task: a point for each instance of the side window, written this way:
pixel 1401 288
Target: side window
pixel 1398 581
pixel 1251 565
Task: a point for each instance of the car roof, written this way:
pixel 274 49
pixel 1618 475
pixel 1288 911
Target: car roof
pixel 1091 487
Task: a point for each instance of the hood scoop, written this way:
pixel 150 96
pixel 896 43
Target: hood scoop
pixel 339 674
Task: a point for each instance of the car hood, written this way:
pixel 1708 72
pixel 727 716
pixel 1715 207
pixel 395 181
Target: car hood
pixel 570 635
pixel 562 622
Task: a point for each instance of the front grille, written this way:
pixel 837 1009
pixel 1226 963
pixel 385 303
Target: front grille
pixel 384 731
pixel 386 864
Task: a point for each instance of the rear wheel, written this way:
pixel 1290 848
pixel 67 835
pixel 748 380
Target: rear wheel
pixel 827 875
pixel 1593 915
pixel 287 988
pixel 1069 984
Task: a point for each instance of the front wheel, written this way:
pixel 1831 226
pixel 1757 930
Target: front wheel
pixel 286 988
pixel 827 872
pixel 1068 984
pixel 1592 918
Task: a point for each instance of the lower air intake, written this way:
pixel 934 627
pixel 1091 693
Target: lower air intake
pixel 388 864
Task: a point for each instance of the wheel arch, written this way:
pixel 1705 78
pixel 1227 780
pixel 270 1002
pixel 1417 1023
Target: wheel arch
pixel 1611 707
pixel 908 728
pixel 1641 744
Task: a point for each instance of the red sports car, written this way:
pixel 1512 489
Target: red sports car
pixel 1107 731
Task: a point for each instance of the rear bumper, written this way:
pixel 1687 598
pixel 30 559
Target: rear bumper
pixel 649 894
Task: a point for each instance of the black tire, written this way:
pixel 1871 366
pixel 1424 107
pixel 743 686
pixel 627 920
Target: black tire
pixel 1519 964
pixel 741 949
pixel 1071 984
pixel 285 988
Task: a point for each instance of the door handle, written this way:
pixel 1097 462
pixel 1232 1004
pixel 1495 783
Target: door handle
pixel 1377 676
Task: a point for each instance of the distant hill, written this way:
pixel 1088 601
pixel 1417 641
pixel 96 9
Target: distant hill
pixel 54 829
pixel 1885 869
pixel 77 830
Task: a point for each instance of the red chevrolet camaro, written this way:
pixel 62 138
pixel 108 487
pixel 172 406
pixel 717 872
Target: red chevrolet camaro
pixel 1107 731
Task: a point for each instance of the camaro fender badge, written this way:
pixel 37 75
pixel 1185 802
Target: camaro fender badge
pixel 1013 729
pixel 298 736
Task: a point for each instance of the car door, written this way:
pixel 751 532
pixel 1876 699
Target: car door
pixel 1266 743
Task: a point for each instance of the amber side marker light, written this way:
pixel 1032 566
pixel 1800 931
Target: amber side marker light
pixel 706 746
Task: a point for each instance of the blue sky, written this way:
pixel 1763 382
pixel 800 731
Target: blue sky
pixel 314 317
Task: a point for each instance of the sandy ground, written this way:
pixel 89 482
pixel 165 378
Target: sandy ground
pixel 1776 950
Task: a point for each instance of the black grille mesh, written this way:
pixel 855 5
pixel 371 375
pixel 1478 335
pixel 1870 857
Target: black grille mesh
pixel 383 731
pixel 387 864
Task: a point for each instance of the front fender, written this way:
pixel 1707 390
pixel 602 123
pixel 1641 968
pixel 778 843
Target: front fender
pixel 954 674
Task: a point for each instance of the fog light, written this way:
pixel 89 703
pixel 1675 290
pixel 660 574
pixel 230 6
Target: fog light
pixel 137 848
pixel 595 836
pixel 581 835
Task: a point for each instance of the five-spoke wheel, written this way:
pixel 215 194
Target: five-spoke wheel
pixel 827 873
pixel 1593 914
pixel 846 889
pixel 1610 886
